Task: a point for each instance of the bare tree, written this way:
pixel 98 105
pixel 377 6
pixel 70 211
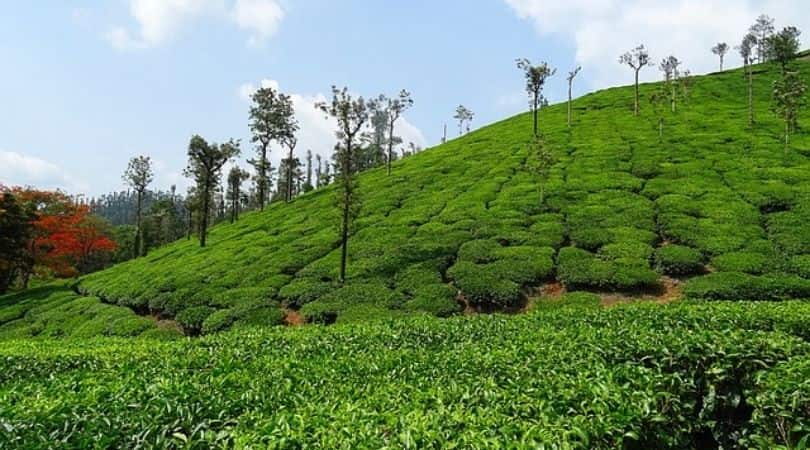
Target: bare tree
pixel 720 50
pixel 669 66
pixel 536 77
pixel 138 176
pixel 571 76
pixel 351 114
pixel 637 58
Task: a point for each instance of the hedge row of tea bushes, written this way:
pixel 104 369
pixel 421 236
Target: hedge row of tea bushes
pixel 56 311
pixel 711 200
pixel 679 376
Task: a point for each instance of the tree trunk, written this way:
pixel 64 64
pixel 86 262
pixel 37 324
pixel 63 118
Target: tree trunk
pixel 289 175
pixel 569 103
pixel 534 113
pixel 263 178
pixel 673 97
pixel 787 134
pixel 635 107
pixel 390 144
pixel 136 251
pixel 344 226
pixel 204 213
pixel 750 96
pixel 721 63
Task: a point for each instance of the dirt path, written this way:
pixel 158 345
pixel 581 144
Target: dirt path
pixel 293 318
pixel 669 292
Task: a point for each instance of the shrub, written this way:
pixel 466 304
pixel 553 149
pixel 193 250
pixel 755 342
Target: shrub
pixel 741 286
pixel 678 260
pixel 436 299
pixel 478 251
pixel 482 287
pixel 191 319
pixel 302 291
pixel 747 262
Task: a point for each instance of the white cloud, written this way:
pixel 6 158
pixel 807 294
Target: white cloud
pixel 603 29
pixel 158 21
pixel 17 169
pixel 317 132
pixel 260 17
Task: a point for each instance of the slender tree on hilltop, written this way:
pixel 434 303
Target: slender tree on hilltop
pixel 782 47
pixel 571 75
pixel 536 77
pixel 351 114
pixel 746 49
pixel 290 142
pixel 393 109
pixel 762 29
pixel 789 98
pixel 463 115
pixel 308 186
pixel 138 176
pixel 205 161
pixel 272 118
pixel 541 161
pixel 637 58
pixel 318 170
pixel 235 178
pixel 720 50
pixel 669 66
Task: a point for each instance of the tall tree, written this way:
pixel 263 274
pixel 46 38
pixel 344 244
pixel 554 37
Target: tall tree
pixel 236 177
pixel 669 67
pixel 138 175
pixel 746 49
pixel 637 58
pixel 318 170
pixel 393 109
pixel 541 162
pixel 571 75
pixel 308 184
pixel 351 114
pixel 463 115
pixel 205 161
pixel 16 228
pixel 290 142
pixel 720 50
pixel 762 29
pixel 536 77
pixel 272 118
pixel 783 47
pixel 789 97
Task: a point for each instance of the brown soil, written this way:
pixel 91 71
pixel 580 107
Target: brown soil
pixel 166 324
pixel 669 291
pixel 466 308
pixel 294 318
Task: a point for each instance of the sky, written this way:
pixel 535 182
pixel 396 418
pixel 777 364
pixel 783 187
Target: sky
pixel 87 84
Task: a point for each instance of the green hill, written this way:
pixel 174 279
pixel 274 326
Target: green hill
pixel 712 202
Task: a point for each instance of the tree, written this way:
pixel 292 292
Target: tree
pixel 669 66
pixel 235 178
pixel 762 29
pixel 205 163
pixel 16 229
pixel 783 47
pixel 536 77
pixel 720 50
pixel 570 78
pixel 290 142
pixel 746 49
pixel 272 118
pixel 392 109
pixel 138 175
pixel 351 114
pixel 659 99
pixel 308 184
pixel 542 161
pixel 463 115
pixel 637 58
pixel 318 170
pixel 788 100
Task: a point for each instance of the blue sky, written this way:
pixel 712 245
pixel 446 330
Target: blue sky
pixel 88 84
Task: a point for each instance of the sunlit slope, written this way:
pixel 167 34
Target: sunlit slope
pixel 713 201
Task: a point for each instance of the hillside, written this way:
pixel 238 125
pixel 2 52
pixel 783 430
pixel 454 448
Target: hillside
pixel 712 204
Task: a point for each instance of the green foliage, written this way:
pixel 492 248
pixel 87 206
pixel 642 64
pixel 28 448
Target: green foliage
pixel 192 319
pixel 678 260
pixel 736 285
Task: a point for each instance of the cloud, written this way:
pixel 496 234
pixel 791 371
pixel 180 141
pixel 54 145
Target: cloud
pixel 603 29
pixel 158 21
pixel 260 17
pixel 317 132
pixel 17 169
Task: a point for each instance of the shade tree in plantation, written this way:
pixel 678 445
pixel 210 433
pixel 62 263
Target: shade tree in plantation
pixel 308 186
pixel 761 30
pixel 782 47
pixel 292 165
pixel 746 49
pixel 637 59
pixel 669 67
pixel 535 77
pixel 272 119
pixel 540 162
pixel 351 115
pixel 463 116
pixel 720 50
pixel 236 177
pixel 392 109
pixel 15 230
pixel 205 161
pixel 789 98
pixel 571 75
pixel 138 175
